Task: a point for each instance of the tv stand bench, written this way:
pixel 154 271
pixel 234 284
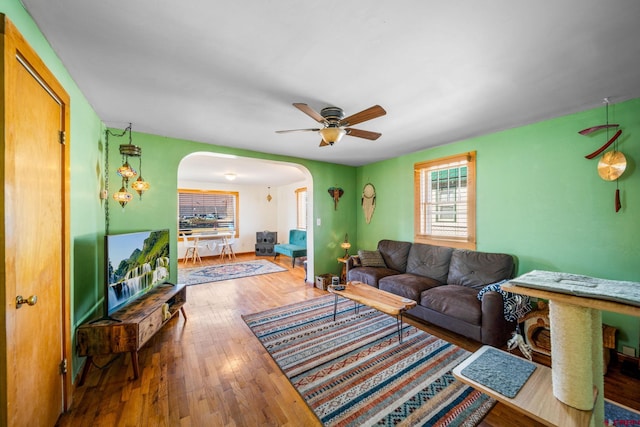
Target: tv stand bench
pixel 131 327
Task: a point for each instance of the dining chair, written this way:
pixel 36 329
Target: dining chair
pixel 191 249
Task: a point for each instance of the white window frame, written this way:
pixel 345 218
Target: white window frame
pixel 301 208
pixel 445 214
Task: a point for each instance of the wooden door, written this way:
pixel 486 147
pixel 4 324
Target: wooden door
pixel 36 237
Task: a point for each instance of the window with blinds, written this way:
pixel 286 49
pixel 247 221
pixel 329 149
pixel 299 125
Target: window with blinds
pixel 445 201
pixel 199 209
pixel 301 208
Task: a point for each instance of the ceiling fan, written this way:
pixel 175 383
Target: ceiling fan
pixel 336 125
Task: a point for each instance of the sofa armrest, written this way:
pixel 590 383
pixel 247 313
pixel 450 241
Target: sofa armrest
pixel 495 329
pixel 352 262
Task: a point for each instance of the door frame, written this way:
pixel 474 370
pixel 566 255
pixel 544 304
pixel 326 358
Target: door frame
pixel 12 45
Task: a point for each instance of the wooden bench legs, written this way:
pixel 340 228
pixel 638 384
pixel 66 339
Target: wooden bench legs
pixel 85 370
pixel 89 362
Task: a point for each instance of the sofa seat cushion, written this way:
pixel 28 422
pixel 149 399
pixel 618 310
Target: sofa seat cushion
pixel 407 285
pixel 293 251
pixel 460 302
pixel 370 275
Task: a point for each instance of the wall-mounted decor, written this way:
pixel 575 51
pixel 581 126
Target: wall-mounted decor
pixel 613 163
pixel 336 193
pixel 368 201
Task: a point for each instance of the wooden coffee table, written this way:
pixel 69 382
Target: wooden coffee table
pixel 386 302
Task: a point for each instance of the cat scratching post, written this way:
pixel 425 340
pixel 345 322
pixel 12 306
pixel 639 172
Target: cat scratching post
pixel 575 306
pixel 575 372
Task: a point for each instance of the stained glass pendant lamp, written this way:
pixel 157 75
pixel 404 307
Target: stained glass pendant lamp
pixel 128 173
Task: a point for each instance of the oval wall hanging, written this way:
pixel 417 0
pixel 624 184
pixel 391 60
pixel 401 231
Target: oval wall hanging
pixel 368 201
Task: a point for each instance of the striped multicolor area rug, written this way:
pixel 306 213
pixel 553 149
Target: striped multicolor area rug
pixel 354 371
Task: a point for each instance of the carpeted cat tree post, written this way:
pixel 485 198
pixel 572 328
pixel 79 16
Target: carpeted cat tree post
pixel 574 373
pixel 576 303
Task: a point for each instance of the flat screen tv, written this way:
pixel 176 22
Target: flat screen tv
pixel 135 264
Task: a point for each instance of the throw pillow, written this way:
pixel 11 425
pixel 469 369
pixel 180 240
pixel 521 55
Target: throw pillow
pixel 371 259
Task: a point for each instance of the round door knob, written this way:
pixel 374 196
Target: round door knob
pixel 32 300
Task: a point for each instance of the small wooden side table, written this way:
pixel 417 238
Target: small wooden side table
pixel 343 273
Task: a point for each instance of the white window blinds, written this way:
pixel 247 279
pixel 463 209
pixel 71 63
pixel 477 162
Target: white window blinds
pixel 207 209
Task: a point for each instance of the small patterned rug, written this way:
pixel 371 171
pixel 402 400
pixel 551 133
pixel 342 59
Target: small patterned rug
pixel 616 414
pixel 354 371
pixel 219 272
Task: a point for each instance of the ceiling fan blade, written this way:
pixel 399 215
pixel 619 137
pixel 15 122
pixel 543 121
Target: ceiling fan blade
pixel 363 134
pixel 309 112
pixel 363 116
pixel 323 143
pixel 297 130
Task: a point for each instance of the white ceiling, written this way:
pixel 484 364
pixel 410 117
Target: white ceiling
pixel 212 167
pixel 227 72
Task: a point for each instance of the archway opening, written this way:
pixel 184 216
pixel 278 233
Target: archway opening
pixel 266 190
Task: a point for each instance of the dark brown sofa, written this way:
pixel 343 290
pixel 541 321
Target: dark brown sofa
pixel 445 283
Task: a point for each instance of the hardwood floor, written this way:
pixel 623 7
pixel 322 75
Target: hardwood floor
pixel 212 371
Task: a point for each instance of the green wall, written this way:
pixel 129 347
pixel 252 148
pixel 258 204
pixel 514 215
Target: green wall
pixel 159 206
pixel 538 198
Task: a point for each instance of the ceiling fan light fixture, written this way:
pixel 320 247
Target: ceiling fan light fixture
pixel 331 135
pixel 336 125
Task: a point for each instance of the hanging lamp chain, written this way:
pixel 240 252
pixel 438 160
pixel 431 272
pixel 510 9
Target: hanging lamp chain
pixel 106 170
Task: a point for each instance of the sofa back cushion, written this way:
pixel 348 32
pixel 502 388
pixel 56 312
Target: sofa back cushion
pixel 478 269
pixel 429 261
pixel 395 254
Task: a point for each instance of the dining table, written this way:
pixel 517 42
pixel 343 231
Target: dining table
pixel 196 238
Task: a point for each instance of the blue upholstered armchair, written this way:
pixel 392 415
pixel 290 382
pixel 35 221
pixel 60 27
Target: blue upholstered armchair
pixel 296 248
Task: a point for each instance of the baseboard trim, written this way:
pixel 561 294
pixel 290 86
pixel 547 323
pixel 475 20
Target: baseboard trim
pixel 629 365
pixel 626 358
